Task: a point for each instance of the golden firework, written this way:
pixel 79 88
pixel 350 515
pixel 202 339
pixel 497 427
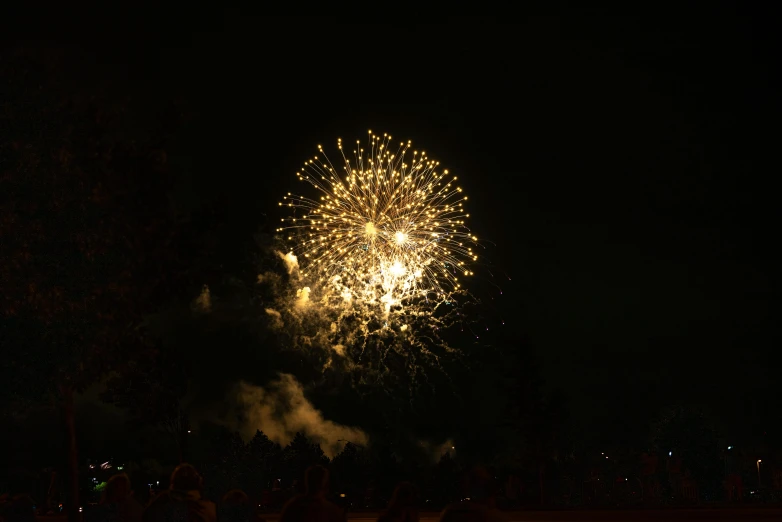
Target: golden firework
pixel 387 227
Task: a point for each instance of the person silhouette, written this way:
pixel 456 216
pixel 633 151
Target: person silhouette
pixel 183 501
pixel 479 507
pixel 403 505
pixel 313 506
pixel 235 506
pixel 117 503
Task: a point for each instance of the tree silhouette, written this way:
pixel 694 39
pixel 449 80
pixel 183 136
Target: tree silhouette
pixel 84 226
pixel 153 391
pixel 446 480
pixel 263 460
pixel 531 430
pixel 300 454
pixel 350 470
pixel 224 461
pixel 688 434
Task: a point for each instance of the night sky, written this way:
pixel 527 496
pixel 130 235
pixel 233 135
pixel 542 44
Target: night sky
pixel 623 166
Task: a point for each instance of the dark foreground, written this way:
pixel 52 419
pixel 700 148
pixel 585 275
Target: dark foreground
pixel 668 515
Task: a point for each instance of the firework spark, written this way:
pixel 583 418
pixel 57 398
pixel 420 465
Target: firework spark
pixel 386 228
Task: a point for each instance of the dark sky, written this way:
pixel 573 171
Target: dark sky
pixel 622 165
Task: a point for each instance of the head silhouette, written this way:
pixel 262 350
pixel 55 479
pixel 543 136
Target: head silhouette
pixel 482 484
pixel 404 496
pixel 236 497
pixel 185 478
pixel 117 489
pixel 316 480
pixel 235 507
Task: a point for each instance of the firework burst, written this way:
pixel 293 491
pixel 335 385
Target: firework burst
pixel 386 228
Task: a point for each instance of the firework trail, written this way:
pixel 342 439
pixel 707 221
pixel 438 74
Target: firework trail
pixel 377 250
pixel 386 227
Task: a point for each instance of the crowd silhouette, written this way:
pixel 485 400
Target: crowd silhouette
pixel 184 501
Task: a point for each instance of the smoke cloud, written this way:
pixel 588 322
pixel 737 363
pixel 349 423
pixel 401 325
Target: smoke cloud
pixel 291 262
pixel 276 322
pixel 203 302
pixel 303 296
pixel 280 409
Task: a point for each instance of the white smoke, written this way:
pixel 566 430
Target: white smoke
pixel 291 262
pixel 276 322
pixel 203 302
pixel 303 296
pixel 280 409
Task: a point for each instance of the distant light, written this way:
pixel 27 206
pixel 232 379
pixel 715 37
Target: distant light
pixel 730 447
pixel 341 495
pixel 81 509
pixel 759 461
pixel 453 447
pixel 158 482
pixel 189 431
pixel 625 479
pixel 670 453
